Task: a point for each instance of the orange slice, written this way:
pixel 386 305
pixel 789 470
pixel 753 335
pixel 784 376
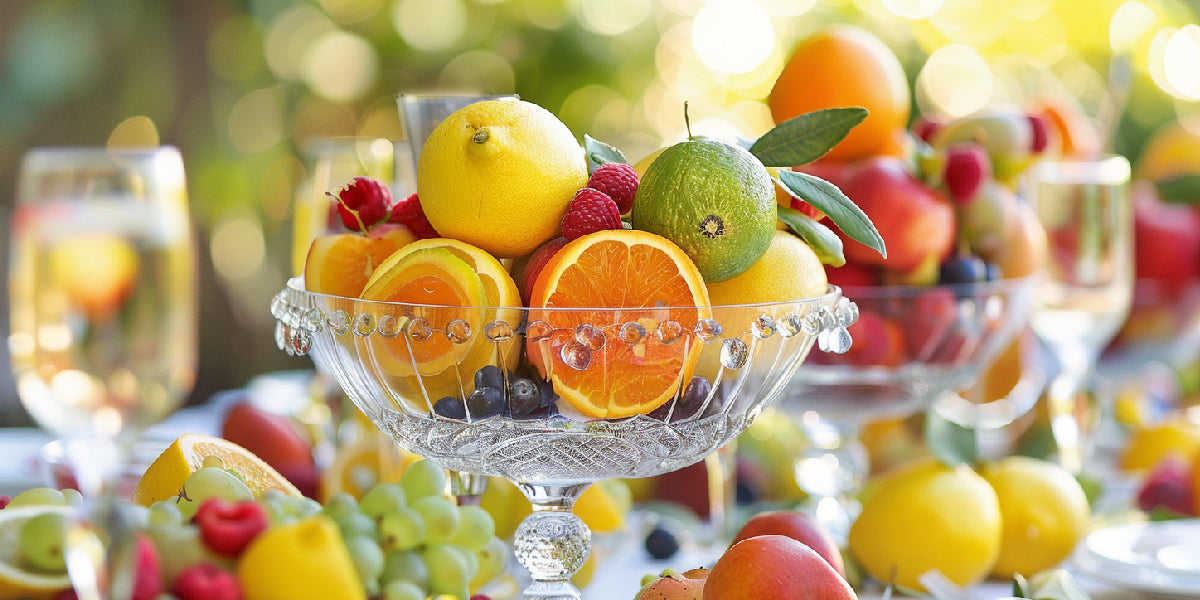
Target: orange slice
pixel 165 476
pixel 627 269
pixel 341 263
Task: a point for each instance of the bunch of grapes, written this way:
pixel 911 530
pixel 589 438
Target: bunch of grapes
pixel 408 540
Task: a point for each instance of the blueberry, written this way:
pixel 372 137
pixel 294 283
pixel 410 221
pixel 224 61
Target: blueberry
pixel 489 376
pixel 746 494
pixel 962 269
pixel 524 397
pixel 485 402
pixel 547 390
pixel 542 412
pixel 690 401
pixel 451 408
pixel 661 544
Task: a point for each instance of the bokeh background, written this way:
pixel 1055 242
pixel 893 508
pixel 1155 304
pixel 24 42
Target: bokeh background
pixel 242 87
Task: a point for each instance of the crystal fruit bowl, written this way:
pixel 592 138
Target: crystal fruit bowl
pixel 476 390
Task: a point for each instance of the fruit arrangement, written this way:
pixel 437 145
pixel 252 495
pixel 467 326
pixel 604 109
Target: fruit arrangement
pixel 511 214
pixel 1164 461
pixel 232 533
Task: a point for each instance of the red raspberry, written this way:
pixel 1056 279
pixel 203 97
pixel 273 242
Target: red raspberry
pixel 590 211
pixel 408 213
pixel 967 169
pixel 1041 133
pixel 147 583
pixel 227 527
pixel 619 181
pixel 206 581
pixel 534 265
pixel 67 594
pixel 4 500
pixel 924 129
pixel 362 203
pixel 481 597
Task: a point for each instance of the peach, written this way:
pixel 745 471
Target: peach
pixel 798 526
pixel 915 222
pixel 774 567
pixel 675 586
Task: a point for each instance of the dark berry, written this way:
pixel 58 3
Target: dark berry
pixel 489 376
pixel 689 403
pixel 962 269
pixel 746 494
pixel 451 408
pixel 549 398
pixel 661 544
pixel 524 397
pixel 485 402
pixel 544 412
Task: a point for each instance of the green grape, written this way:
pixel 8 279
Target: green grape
pixel 471 560
pixel 368 561
pixel 71 497
pixel 447 570
pixel 492 559
pixel 357 525
pixel 39 496
pixel 284 508
pixel 382 499
pixel 211 482
pixel 440 516
pixel 340 504
pixel 401 530
pixel 213 461
pixel 402 590
pixel 423 478
pixel 165 512
pixel 277 512
pixel 405 565
pixel 41 542
pixel 475 528
pixel 179 547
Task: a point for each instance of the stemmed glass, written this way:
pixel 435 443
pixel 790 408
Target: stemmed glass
pixel 745 357
pixel 914 346
pixel 1084 206
pixel 103 322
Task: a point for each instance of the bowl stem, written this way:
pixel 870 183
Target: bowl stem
pixel 552 543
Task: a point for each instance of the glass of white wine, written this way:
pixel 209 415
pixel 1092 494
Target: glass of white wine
pixel 1085 296
pixel 103 321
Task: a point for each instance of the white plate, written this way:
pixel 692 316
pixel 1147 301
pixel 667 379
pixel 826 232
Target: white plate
pixel 1158 556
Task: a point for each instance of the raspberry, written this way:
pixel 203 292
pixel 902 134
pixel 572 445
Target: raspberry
pixel 227 527
pixel 206 581
pixel 619 181
pixel 147 583
pixel 924 129
pixel 590 211
pixel 4 500
pixel 362 203
pixel 967 168
pixel 408 213
pixel 1041 133
pixel 534 265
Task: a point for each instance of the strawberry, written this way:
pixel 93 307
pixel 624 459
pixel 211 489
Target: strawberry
pixel 227 527
pixel 206 581
pixel 362 203
pixel 408 213
pixel 590 211
pixel 619 181
pixel 967 168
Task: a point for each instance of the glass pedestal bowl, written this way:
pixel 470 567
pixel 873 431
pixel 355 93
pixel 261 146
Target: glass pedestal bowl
pixel 413 371
pixel 914 346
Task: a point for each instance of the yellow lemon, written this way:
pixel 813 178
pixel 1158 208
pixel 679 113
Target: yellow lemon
pixel 499 174
pixel 603 505
pixel 928 516
pixel 164 477
pixel 15 581
pixel 305 560
pixel 507 505
pixel 1149 445
pixel 788 270
pixel 1043 510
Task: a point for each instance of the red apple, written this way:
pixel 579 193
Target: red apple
pixel 272 438
pixel 798 526
pixel 675 586
pixel 914 221
pixel 774 567
pixel 1166 239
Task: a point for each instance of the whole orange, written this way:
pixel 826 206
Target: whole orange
pixel 842 66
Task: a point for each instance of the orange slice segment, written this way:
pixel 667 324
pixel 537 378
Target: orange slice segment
pixel 165 476
pixel 341 263
pixel 624 269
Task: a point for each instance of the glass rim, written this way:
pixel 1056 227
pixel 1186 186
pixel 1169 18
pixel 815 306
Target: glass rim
pixel 1105 169
pixel 977 288
pixel 832 294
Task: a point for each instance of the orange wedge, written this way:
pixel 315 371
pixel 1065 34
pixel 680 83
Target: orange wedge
pixel 165 476
pixel 341 263
pixel 627 269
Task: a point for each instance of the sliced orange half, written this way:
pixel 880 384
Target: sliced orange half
pixel 617 269
pixel 165 476
pixel 341 263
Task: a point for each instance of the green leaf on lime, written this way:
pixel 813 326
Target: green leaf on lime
pixel 599 153
pixel 841 210
pixel 822 239
pixel 807 137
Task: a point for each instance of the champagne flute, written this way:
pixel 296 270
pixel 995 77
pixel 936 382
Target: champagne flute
pixel 103 325
pixel 1085 297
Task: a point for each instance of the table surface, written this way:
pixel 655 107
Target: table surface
pixel 619 573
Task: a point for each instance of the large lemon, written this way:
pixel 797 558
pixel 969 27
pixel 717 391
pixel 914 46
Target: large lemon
pixel 788 270
pixel 928 516
pixel 499 174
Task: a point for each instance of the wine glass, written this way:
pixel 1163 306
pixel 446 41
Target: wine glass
pixel 745 356
pixel 103 321
pixel 1084 206
pixel 914 346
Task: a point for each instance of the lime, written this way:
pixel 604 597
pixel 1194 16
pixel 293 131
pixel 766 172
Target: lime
pixel 714 200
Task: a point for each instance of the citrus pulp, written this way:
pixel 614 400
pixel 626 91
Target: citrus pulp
pixel 340 264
